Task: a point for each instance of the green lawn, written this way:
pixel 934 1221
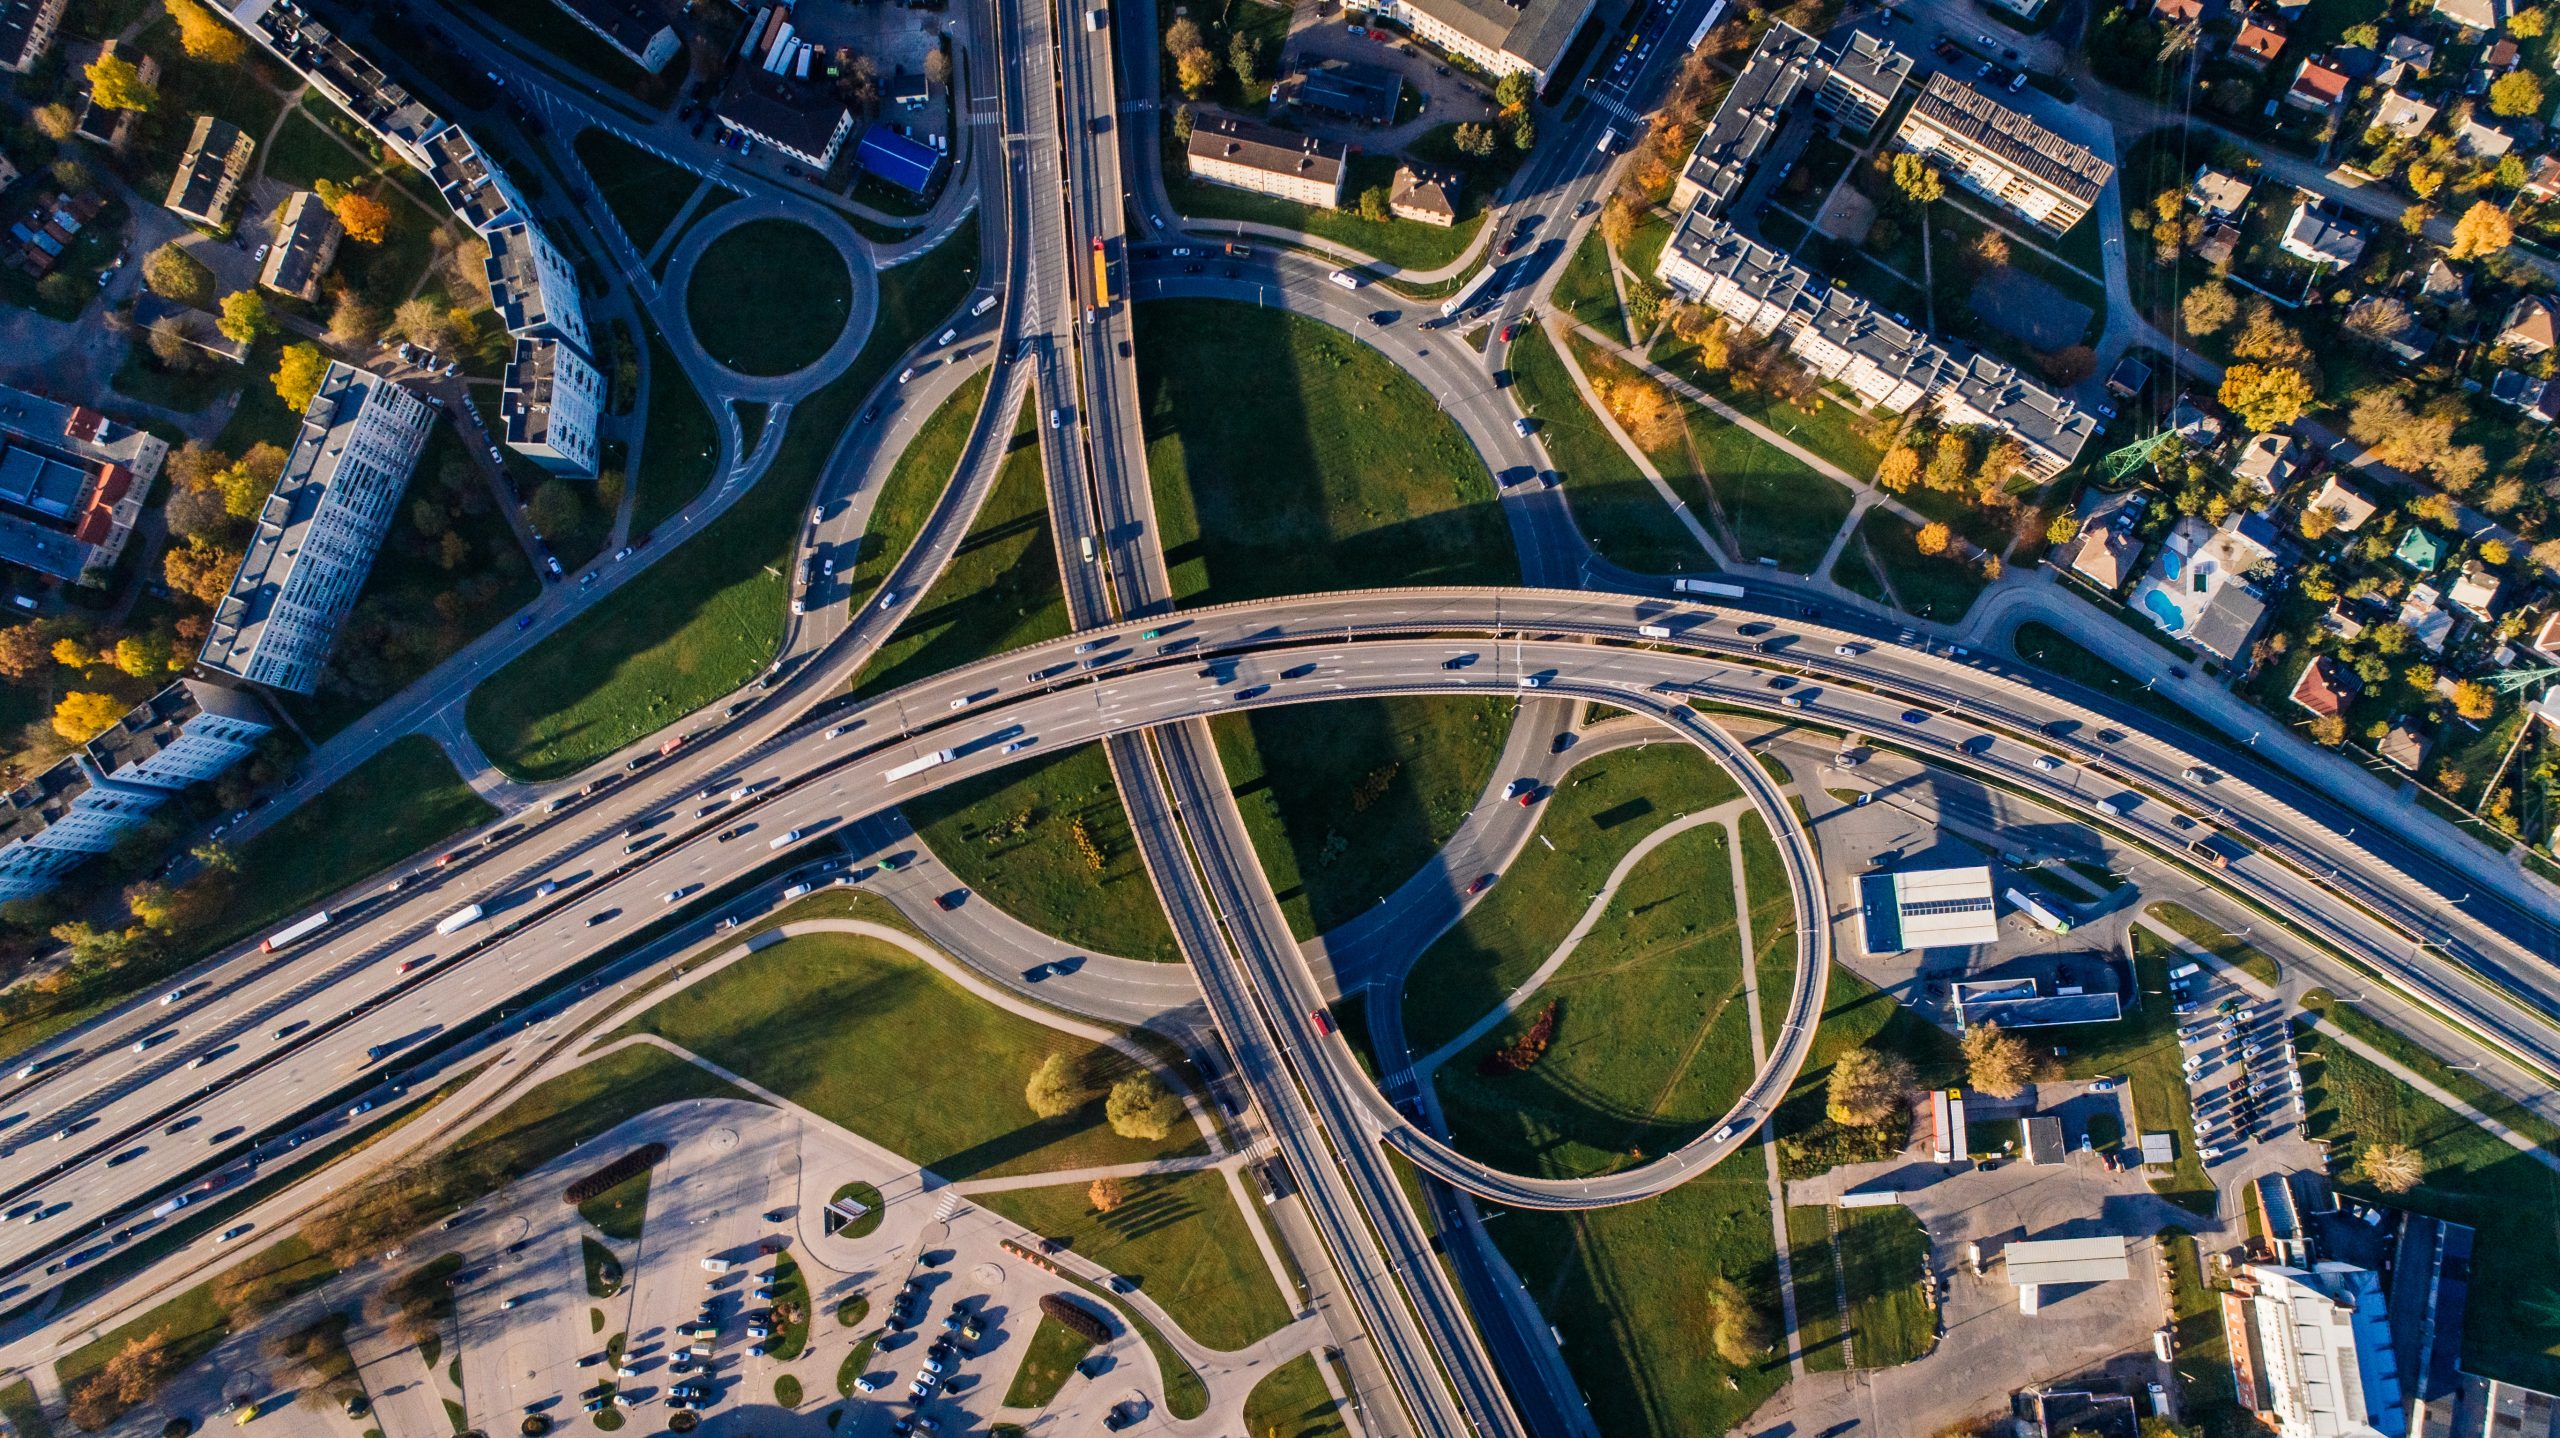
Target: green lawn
pixel 190 87
pixel 1001 589
pixel 604 1271
pixel 1047 1363
pixel 1332 469
pixel 709 615
pixel 1614 505
pixel 2205 934
pixel 1180 1236
pixel 1884 1254
pixel 1938 587
pixel 1855 1013
pixel 1622 1286
pixel 2142 1047
pixel 618 1212
pixel 2461 1083
pixel 1344 800
pixel 644 192
pixel 1813 1264
pixel 792 1291
pixel 304 151
pixel 1773 922
pixel 914 486
pixel 865 1035
pixel 2471 1177
pixel 1405 244
pixel 26 1416
pixel 680 445
pixel 1586 289
pixel 1830 429
pixel 1651 1041
pixel 1603 807
pixel 1778 506
pixel 1291 1401
pixel 1010 835
pixel 402 801
pixel 769 297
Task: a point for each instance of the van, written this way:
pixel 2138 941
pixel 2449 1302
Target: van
pixel 1085 543
pixel 1654 631
pixel 795 891
pixel 1345 278
pixel 715 1265
pixel 1096 18
pixel 1609 141
pixel 982 306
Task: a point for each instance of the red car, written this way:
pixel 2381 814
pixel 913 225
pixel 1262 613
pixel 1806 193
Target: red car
pixel 1482 883
pixel 1510 331
pixel 1322 1020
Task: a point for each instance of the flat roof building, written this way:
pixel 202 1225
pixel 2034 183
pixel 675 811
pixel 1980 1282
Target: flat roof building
pixel 1244 155
pixel 1862 77
pixel 2016 1004
pixel 2067 1260
pixel 2321 1339
pixel 532 287
pixel 552 404
pixel 1366 94
pixel 1504 36
pixel 342 73
pixel 474 188
pixel 887 155
pixel 1785 65
pixel 2000 154
pixel 304 244
pixel 809 127
pixel 72 483
pixel 209 174
pixel 636 31
pixel 317 535
pixel 1927 909
pixel 26 31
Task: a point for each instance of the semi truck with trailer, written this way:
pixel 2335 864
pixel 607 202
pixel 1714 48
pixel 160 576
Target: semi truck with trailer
pixel 295 932
pixel 913 767
pixel 459 919
pixel 1718 588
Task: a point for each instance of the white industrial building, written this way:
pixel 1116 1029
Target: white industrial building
pixel 1927 909
pixel 2038 1264
pixel 317 534
pixel 2317 1345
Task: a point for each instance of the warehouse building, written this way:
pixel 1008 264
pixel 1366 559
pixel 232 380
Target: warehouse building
pixel 1927 909
pixel 2319 1353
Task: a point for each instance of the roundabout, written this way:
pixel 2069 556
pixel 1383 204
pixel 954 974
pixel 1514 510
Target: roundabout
pixel 779 301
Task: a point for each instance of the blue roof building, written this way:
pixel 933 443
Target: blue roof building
pixel 893 157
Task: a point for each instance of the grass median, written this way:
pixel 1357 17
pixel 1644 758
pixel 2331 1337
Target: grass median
pixel 1047 1363
pixel 1180 1237
pixel 1291 1401
pixel 1600 812
pixel 915 484
pixel 864 1034
pixel 1773 922
pixel 644 192
pixel 709 615
pixel 1647 1040
pixel 680 445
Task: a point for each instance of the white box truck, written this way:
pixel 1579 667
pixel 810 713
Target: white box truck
pixel 459 919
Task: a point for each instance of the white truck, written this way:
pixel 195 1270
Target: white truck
pixel 292 932
pixel 459 919
pixel 1717 588
pixel 913 767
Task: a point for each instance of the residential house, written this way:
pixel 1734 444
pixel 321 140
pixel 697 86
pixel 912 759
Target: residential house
pixel 2177 12
pixel 2316 235
pixel 2546 638
pixel 305 243
pixel 2406 116
pixel 2104 555
pixel 2258 43
pixel 2266 462
pixel 2202 586
pixel 2423 614
pixel 2538 398
pixel 209 174
pixel 1424 194
pixel 2442 283
pixel 2413 57
pixel 2218 196
pixel 2388 323
pixel 2475 590
pixel 2501 56
pixel 2195 427
pixel 2221 243
pixel 2348 510
pixel 100 125
pixel 2343 622
pixel 2318 87
pixel 2481 141
pixel 2532 325
pixel 1245 155
pixel 2420 549
pixel 2542 178
pixel 2326 687
pixel 2406 745
pixel 2474 14
pixel 2002 155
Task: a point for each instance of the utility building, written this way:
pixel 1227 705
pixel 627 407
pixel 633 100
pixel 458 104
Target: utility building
pixel 1927 909
pixel 2057 1262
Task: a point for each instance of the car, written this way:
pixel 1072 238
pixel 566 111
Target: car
pixel 1914 716
pixel 1015 747
pixel 1522 427
pixel 1481 883
pixel 868 1383
pixel 361 1109
pixel 906 374
pixel 888 599
pixel 950 899
pixel 1511 331
pixel 2018 82
pixel 2047 763
pixel 1848 651
pixel 1518 787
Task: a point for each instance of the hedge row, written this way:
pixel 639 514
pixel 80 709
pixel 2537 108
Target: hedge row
pixel 638 1160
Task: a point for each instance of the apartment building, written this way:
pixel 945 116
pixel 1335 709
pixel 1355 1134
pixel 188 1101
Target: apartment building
pixel 188 733
pixel 26 31
pixel 1504 36
pixel 1425 195
pixel 104 125
pixel 317 534
pixel 1243 155
pixel 532 286
pixel 473 188
pixel 1862 77
pixel 339 71
pixel 1882 358
pixel 72 483
pixel 1786 64
pixel 305 243
pixel 2003 156
pixel 551 406
pixel 210 172
pixel 636 31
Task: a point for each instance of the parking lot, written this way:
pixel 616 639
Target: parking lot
pixel 2241 1070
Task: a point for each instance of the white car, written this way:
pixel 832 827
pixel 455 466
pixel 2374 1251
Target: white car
pixel 869 1383
pixel 963 702
pixel 888 599
pixel 838 731
pixel 789 837
pixel 906 374
pixel 1846 651
pixel 949 335
pixel 1016 747
pixel 2047 763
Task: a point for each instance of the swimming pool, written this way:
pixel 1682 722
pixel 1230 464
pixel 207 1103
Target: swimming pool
pixel 2164 609
pixel 2172 563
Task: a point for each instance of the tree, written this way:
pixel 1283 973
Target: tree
pixel 2495 552
pixel 1618 222
pixel 1244 57
pixel 2515 93
pixel 2391 1167
pixel 2474 700
pixel 353 321
pixel 1648 413
pixel 1182 122
pixel 298 373
pixel 1900 467
pixel 2423 178
pixel 169 344
pixel 1140 1107
pixel 1917 179
pixel 70 653
pixel 204 36
pixel 2265 396
pixel 2329 730
pixel 146 656
pixel 244 317
pixel 246 482
pixel 426 324
pixel 1474 139
pixel 82 716
pixel 365 219
pixel 127 1381
pixel 71 175
pixel 116 84
pixel 1866 1087
pixel 1996 1062
pixel 1739 1331
pixel 2379 318
pixel 1197 70
pixel 1512 92
pixel 1182 35
pixel 175 275
pixel 2365 36
pixel 554 509
pixel 2064 529
pixel 2317 521
pixel 1054 1090
pixel 2484 229
pixel 1374 202
pixel 1932 538
pixel 200 570
pixel 25 650
pixel 937 67
pixel 1106 1194
pixel 56 122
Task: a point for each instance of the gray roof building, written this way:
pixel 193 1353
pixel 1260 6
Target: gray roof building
pixel 1425 194
pixel 2312 233
pixel 551 406
pixel 185 734
pixel 317 535
pixel 532 287
pixel 1785 63
pixel 209 174
pixel 1502 35
pixel 303 247
pixel 343 74
pixel 1863 75
pixel 473 188
pixel 72 483
pixel 2002 155
pixel 1366 93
